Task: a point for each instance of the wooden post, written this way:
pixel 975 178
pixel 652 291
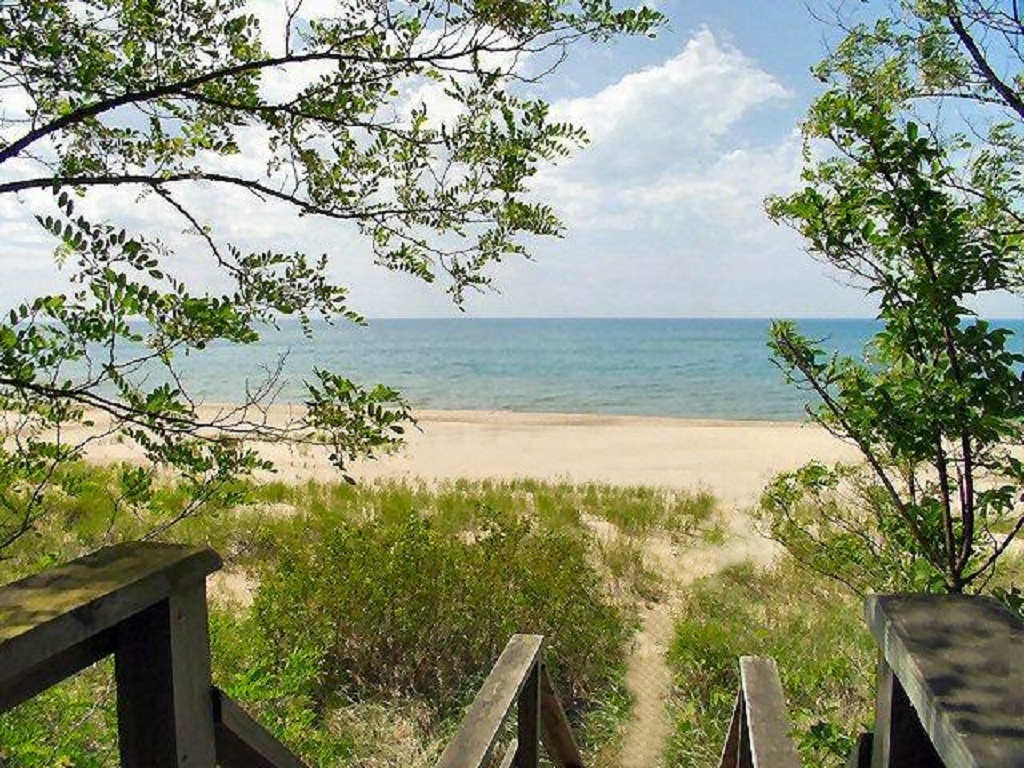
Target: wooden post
pixel 899 738
pixel 950 690
pixel 528 749
pixel 555 731
pixel 164 701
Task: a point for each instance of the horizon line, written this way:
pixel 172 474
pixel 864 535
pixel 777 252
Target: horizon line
pixel 371 318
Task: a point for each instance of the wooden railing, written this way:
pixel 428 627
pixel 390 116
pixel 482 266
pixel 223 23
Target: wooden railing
pixel 950 691
pixel 145 604
pixel 950 683
pixel 518 678
pixel 759 732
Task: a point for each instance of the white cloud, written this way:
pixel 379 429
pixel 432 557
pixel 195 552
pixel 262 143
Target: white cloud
pixel 668 117
pixel 664 149
pixel 665 206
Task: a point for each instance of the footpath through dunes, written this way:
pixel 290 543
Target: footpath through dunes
pixel 733 460
pixel 678 563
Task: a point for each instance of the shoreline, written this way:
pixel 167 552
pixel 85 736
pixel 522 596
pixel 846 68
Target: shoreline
pixel 280 410
pixel 559 418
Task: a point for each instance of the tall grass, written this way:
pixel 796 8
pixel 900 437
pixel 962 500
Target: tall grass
pixel 379 608
pixel 401 608
pixel 458 504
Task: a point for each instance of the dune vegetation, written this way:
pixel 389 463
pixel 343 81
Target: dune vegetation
pixel 357 622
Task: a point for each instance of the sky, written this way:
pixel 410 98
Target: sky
pixel 664 214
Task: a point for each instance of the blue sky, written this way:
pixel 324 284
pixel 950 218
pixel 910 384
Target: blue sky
pixel 689 132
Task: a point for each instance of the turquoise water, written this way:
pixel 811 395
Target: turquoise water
pixel 662 367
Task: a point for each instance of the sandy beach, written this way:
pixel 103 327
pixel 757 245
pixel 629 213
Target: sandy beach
pixel 731 458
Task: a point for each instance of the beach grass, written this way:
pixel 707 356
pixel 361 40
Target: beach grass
pixel 362 619
pixel 369 614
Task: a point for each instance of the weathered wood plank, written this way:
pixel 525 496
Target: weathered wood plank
pixel 244 743
pixel 164 701
pixel 528 720
pixel 767 724
pixel 959 660
pixel 731 749
pixel 36 679
pixel 45 615
pixel 555 731
pixel 479 731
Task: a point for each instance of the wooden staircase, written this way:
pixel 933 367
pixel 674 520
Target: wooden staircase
pixel 950 679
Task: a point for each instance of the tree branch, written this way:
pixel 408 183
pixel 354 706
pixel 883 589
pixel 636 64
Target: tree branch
pixel 1010 96
pixel 170 89
pixel 256 187
pixel 864 447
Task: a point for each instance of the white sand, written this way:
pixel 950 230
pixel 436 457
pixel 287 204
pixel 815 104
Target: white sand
pixel 731 458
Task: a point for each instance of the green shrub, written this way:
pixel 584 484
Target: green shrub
pixel 840 522
pixel 815 632
pixel 73 723
pixel 274 688
pixel 396 608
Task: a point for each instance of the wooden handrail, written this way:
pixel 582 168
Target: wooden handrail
pixel 145 604
pixel 758 735
pixel 951 682
pixel 55 623
pixel 518 677
pixel 244 743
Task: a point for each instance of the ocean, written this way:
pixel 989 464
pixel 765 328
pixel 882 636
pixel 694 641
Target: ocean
pixel 693 368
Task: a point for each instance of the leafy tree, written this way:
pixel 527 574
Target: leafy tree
pixel 163 100
pixel 937 405
pixel 919 204
pixel 925 50
pixel 957 68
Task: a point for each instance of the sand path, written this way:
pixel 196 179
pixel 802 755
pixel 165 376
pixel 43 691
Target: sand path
pixel 648 676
